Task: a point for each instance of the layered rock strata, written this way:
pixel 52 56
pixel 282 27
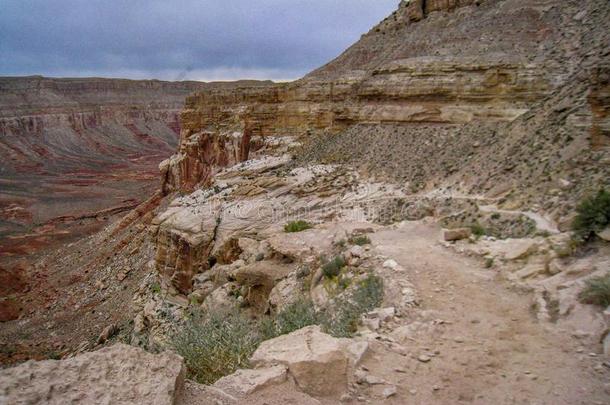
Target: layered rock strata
pixel 424 92
pixel 77 151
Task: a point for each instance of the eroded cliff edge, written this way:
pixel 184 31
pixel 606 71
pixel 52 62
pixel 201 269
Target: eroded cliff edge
pixel 77 151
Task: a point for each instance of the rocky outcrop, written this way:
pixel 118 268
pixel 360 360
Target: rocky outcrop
pixel 417 10
pixel 119 374
pixel 318 362
pixel 599 101
pixel 398 73
pixel 420 90
pixel 94 144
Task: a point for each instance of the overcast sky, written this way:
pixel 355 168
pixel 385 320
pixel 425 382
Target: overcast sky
pixel 180 39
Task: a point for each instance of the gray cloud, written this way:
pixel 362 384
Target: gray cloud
pixel 180 39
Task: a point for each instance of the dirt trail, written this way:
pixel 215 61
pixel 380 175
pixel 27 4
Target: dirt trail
pixel 480 342
pixel 542 223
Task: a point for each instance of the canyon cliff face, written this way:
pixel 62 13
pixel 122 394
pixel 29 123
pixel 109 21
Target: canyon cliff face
pixel 404 72
pixel 76 151
pixel 447 102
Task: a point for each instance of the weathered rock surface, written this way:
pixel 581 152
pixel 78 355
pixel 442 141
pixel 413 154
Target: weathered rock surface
pixel 245 382
pixel 318 362
pixel 450 235
pixel 114 375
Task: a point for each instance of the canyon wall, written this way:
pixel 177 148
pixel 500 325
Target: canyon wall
pixel 445 68
pixel 470 99
pixel 76 151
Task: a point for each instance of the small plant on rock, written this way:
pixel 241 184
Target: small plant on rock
pixel 478 230
pixel 593 215
pixel 597 291
pixel 297 315
pixel 297 226
pixel 343 320
pixel 360 240
pixel 333 268
pixel 155 288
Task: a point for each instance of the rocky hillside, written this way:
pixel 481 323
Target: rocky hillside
pixel 394 227
pixel 76 151
pixel 467 85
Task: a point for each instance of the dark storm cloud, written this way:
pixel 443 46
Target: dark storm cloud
pixel 169 39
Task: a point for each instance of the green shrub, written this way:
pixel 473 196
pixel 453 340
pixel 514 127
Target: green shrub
pixel 341 320
pixel 333 268
pixel 478 230
pixel 597 291
pixel 155 288
pixel 340 244
pixel 360 240
pixel 593 215
pixel 216 346
pixel 297 226
pixel 297 315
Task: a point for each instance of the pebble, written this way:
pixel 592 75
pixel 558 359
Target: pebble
pixel 390 391
pixel 373 380
pixel 423 358
pixel 412 392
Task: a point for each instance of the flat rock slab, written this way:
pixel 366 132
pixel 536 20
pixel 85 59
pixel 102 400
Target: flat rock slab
pixel 119 374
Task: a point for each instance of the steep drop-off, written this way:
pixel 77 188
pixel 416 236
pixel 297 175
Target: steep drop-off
pixel 77 151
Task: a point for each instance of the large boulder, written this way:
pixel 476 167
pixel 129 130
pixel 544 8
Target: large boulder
pixel 119 374
pixel 450 235
pixel 318 362
pixel 184 241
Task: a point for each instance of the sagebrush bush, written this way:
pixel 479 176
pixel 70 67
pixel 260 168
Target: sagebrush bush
pixel 342 318
pixel 593 215
pixel 360 240
pixel 297 226
pixel 333 268
pixel 478 230
pixel 596 291
pixel 216 345
pixel 297 315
